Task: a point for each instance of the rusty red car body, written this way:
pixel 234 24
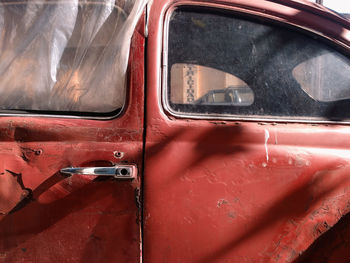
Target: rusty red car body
pixel 207 192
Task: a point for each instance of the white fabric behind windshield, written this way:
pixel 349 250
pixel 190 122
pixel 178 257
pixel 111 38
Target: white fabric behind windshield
pixel 65 55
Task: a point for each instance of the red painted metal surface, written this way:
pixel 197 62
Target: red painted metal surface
pixel 228 191
pixel 46 217
pixel 331 247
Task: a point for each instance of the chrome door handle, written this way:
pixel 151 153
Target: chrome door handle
pixel 118 171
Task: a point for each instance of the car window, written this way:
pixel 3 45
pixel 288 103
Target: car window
pixel 65 56
pixel 220 63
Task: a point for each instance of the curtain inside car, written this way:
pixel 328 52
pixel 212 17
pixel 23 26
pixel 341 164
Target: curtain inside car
pixel 65 55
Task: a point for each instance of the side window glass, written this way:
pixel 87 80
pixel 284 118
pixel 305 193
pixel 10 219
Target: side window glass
pixel 225 64
pixel 65 56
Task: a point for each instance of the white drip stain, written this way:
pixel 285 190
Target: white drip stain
pixel 267 136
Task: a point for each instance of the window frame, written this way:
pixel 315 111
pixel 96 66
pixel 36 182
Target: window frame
pixel 250 14
pixel 72 114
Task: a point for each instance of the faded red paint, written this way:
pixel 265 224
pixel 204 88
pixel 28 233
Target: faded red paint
pixel 331 247
pixel 214 191
pixel 46 217
pixel 224 191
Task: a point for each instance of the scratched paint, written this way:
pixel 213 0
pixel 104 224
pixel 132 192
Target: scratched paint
pixel 77 219
pixel 282 203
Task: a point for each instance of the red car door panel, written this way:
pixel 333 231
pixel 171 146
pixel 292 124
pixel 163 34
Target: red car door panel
pixel 218 189
pixel 49 217
pixel 224 201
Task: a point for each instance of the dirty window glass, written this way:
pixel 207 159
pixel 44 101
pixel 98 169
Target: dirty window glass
pixel 221 63
pixel 65 56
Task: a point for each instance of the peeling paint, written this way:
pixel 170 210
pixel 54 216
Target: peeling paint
pixel 218 122
pixel 27 153
pixel 138 198
pixel 37 202
pixel 27 194
pixel 320 228
pixel 24 157
pixel 221 202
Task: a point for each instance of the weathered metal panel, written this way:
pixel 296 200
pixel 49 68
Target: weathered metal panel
pixel 332 247
pixel 228 191
pixel 46 217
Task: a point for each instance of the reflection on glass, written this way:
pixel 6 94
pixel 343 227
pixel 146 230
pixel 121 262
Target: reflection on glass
pixel 324 78
pixel 196 84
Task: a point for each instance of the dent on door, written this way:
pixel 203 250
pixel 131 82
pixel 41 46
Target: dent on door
pixel 243 191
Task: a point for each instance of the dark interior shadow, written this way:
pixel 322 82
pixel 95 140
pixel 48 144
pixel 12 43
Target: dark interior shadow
pixel 337 110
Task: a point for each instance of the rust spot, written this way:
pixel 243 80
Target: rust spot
pixel 222 202
pixel 28 152
pixel 137 193
pixel 321 228
pixel 138 198
pixel 231 214
pixel 236 200
pixel 218 122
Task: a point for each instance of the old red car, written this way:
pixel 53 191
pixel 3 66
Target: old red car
pixel 174 131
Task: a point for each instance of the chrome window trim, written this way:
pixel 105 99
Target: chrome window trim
pixel 163 89
pixel 83 116
pixel 55 116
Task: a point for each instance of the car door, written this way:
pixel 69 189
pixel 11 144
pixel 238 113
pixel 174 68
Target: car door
pixel 247 148
pixel 70 169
